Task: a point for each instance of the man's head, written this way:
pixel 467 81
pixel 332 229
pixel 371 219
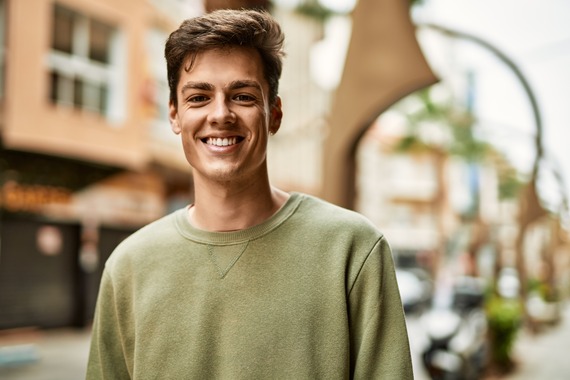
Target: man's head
pixel 222 29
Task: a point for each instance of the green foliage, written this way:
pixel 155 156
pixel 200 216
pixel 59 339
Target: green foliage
pixel 534 285
pixel 465 144
pixel 313 9
pixel 410 143
pixel 543 289
pixel 509 183
pixel 457 136
pixel 504 317
pixel 454 122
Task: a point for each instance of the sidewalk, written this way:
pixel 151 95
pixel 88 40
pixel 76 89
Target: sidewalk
pixel 59 354
pixel 544 355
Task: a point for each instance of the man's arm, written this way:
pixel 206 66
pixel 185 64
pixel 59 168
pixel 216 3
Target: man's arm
pixel 106 356
pixel 379 339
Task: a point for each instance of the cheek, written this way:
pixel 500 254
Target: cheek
pixel 188 137
pixel 187 132
pixel 189 149
pixel 188 124
pixel 259 117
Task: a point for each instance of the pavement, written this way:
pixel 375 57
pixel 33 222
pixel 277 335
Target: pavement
pixel 544 355
pixel 58 354
pixel 61 354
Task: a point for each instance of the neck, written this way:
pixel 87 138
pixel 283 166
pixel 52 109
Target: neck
pixel 223 208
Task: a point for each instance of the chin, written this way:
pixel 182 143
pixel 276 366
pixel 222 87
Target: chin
pixel 224 174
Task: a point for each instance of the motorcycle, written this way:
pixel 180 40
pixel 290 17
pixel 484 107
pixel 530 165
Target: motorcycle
pixel 457 344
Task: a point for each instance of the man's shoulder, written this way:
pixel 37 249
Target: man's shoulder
pixel 154 229
pixel 328 215
pixel 148 238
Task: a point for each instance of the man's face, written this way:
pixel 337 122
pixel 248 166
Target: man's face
pixel 223 115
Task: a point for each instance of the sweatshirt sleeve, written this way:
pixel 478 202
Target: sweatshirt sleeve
pixel 379 339
pixel 107 354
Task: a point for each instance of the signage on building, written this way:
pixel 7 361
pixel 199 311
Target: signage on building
pixel 16 197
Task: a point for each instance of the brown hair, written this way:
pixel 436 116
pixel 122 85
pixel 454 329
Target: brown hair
pixel 222 29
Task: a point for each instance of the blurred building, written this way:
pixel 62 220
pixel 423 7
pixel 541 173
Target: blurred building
pixel 426 202
pixel 87 155
pixel 295 154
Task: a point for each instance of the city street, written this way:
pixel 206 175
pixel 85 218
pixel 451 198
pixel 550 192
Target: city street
pixel 537 357
pixel 62 354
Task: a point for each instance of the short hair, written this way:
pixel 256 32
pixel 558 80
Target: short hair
pixel 223 29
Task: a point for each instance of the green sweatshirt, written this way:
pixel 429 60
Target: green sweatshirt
pixel 308 294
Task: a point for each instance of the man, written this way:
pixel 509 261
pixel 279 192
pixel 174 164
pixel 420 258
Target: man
pixel 249 282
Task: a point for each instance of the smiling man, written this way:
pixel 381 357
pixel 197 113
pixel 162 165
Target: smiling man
pixel 249 282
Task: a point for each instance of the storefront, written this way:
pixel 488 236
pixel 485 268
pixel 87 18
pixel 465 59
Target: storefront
pixel 55 236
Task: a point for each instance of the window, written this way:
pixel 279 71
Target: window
pixel 83 64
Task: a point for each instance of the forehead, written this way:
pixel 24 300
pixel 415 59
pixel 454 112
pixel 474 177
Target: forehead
pixel 228 63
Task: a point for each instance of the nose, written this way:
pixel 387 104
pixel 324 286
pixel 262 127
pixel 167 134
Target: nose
pixel 221 112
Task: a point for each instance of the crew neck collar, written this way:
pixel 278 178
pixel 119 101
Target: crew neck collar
pixel 235 237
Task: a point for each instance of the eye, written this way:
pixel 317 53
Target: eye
pixel 197 99
pixel 244 98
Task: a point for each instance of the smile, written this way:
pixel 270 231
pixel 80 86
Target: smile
pixel 226 141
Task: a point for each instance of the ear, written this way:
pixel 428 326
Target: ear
pixel 275 117
pixel 173 117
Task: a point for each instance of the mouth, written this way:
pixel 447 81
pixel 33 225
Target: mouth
pixel 222 141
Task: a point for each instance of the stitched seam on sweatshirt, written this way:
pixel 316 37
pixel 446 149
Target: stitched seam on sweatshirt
pixel 224 271
pixel 379 300
pixel 364 263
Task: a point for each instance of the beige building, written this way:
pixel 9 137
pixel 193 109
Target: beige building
pixel 84 82
pixel 424 201
pixel 86 151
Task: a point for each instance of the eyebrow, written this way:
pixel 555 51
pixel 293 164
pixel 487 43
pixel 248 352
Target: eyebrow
pixel 197 86
pixel 235 85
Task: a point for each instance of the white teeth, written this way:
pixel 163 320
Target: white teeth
pixel 221 142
